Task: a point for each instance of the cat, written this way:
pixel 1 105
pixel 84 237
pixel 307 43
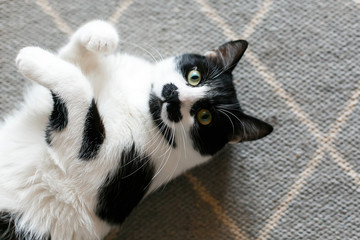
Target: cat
pixel 99 131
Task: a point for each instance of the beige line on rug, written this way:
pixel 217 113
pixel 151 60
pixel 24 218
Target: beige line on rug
pixel 123 5
pixel 62 26
pixel 346 166
pixel 216 207
pixel 256 19
pixel 324 140
pixel 279 212
pixel 327 145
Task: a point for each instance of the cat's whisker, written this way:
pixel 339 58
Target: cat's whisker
pixel 152 129
pixel 216 72
pixel 158 135
pixel 157 51
pixel 167 180
pixel 224 70
pixel 241 122
pixel 232 106
pixel 145 162
pixel 160 127
pixel 169 154
pixel 129 162
pixel 146 149
pixel 162 139
pixel 153 142
pixel 229 109
pixel 183 135
pixel 213 69
pixel 161 142
pixel 209 68
pixel 155 136
pixel 142 48
pixel 232 124
pixel 166 155
pixel 162 155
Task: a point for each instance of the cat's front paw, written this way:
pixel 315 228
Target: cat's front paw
pixel 98 36
pixel 31 61
pixel 45 68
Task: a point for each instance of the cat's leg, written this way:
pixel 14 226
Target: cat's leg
pixel 75 128
pixel 89 43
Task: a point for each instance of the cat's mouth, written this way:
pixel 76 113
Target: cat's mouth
pixel 156 105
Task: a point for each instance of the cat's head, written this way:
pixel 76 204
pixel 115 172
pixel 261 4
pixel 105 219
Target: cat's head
pixel 193 96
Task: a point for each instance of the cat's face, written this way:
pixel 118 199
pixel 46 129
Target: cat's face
pixel 193 97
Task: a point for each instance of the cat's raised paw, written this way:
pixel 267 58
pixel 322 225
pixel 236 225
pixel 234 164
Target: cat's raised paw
pixel 32 60
pixel 46 68
pixel 98 36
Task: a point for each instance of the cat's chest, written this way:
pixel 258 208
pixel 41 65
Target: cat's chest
pixel 122 89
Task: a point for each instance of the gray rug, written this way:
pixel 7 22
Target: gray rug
pixel 301 73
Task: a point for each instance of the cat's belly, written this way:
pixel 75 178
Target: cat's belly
pixel 22 144
pixel 37 186
pixel 122 91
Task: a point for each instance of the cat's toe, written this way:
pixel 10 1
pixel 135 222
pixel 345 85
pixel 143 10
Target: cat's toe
pixel 99 37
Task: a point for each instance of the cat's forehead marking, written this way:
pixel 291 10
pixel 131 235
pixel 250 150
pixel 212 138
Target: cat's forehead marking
pixel 212 75
pixel 188 62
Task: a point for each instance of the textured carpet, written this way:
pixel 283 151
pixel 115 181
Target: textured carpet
pixel 301 73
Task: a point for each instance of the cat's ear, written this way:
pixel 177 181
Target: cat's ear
pixel 249 129
pixel 228 55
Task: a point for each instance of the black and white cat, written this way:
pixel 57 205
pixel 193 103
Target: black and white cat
pixel 99 131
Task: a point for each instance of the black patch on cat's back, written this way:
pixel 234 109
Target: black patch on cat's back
pixel 123 189
pixel 58 118
pixel 93 135
pixel 8 229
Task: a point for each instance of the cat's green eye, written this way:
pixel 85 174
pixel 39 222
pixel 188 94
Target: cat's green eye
pixel 194 77
pixel 204 117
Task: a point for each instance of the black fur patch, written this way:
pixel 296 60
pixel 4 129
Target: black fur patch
pixel 188 62
pixel 155 105
pixel 170 93
pixel 8 229
pixel 209 139
pixel 171 96
pixel 58 119
pixel 124 188
pixel 94 133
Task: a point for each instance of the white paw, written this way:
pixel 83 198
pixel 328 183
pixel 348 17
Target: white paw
pixel 98 36
pixel 44 67
pixel 32 61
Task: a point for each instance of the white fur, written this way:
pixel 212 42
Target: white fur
pixel 53 190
